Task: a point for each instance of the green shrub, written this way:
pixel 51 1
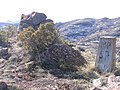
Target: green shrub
pixel 63 41
pixel 7 32
pixel 44 37
pixel 10 87
pixel 40 39
pixel 26 36
pixel 3 36
pixel 11 30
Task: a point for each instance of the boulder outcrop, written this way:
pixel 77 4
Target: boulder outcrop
pixel 34 20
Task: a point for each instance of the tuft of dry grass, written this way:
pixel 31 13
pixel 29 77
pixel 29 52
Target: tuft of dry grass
pixel 88 55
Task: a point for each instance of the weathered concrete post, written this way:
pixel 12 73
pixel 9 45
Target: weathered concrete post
pixel 106 55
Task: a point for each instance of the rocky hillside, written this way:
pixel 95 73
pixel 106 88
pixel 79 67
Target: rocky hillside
pixel 36 59
pixel 89 29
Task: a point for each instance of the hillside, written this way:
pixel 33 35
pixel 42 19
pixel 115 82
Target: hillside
pixel 89 29
pixel 37 58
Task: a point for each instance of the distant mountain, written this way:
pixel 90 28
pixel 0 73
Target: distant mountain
pixel 12 22
pixel 7 23
pixel 89 29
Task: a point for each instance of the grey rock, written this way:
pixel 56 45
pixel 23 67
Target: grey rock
pixel 2 61
pixel 48 20
pixel 14 59
pixel 4 53
pixel 3 86
pixel 37 18
pixel 34 20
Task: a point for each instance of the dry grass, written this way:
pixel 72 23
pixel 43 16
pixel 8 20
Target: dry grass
pixel 89 56
pixel 90 67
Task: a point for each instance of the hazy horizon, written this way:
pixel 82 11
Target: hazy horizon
pixel 60 10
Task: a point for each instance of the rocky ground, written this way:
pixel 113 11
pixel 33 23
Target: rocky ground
pixel 14 72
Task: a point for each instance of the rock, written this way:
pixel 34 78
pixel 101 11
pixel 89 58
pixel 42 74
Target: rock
pixel 34 20
pixel 48 20
pixel 111 79
pixel 29 64
pixel 2 61
pixel 14 58
pixel 118 79
pixel 3 86
pixel 109 83
pixel 59 53
pixel 4 53
pixel 97 89
pixel 43 22
pixel 112 83
pixel 37 18
pixel 97 82
pixel 19 69
pixel 20 75
pixel 100 83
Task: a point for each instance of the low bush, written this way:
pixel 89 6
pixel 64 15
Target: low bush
pixel 38 40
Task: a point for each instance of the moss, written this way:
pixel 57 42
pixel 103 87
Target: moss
pixel 63 41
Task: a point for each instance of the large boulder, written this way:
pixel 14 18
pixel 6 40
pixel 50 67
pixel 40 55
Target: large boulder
pixel 3 86
pixel 37 18
pixel 34 20
pixel 61 54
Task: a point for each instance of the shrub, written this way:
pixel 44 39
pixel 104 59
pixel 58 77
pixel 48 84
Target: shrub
pixel 11 30
pixel 13 87
pixel 3 36
pixel 38 40
pixel 63 41
pixel 26 36
pixel 44 37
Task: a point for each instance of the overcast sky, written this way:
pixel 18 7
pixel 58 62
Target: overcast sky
pixel 60 10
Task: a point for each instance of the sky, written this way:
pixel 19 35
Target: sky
pixel 60 10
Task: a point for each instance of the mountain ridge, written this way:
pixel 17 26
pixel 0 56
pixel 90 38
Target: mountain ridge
pixel 89 28
pixel 8 23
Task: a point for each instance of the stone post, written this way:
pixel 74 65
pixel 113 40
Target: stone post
pixel 106 55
